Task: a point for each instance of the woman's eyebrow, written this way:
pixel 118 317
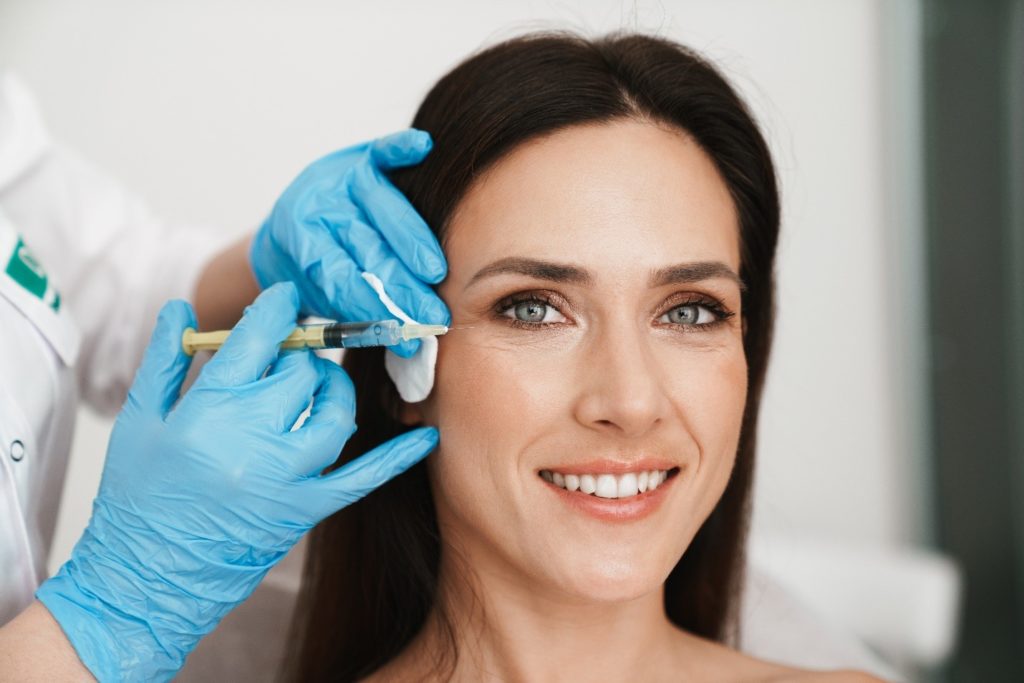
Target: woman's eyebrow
pixel 542 270
pixel 560 272
pixel 694 272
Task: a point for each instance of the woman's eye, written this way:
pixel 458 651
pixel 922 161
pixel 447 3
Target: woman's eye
pixel 689 314
pixel 533 311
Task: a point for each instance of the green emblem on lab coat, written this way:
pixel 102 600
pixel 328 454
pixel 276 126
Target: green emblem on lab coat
pixel 24 269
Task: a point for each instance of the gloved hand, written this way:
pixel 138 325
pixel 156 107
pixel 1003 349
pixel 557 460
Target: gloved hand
pixel 199 499
pixel 342 216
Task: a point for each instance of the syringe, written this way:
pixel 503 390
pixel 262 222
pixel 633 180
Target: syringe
pixel 325 336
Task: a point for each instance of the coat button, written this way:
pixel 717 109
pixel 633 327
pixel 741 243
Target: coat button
pixel 17 450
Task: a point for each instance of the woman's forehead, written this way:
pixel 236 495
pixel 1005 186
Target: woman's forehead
pixel 600 194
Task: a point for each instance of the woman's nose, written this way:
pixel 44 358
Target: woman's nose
pixel 621 386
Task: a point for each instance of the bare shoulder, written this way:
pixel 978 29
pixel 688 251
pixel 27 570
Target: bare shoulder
pixel 721 663
pixel 803 676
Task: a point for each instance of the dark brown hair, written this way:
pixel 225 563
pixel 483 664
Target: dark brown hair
pixel 372 571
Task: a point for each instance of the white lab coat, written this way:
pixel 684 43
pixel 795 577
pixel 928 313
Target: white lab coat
pixel 84 268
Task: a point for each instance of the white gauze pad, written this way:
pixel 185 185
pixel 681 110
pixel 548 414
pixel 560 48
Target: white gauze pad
pixel 414 377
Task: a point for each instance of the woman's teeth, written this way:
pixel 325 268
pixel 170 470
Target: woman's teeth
pixel 607 485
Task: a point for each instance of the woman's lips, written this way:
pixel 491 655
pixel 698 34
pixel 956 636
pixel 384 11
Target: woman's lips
pixel 624 497
pixel 607 466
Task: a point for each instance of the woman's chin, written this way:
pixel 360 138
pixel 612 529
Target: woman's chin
pixel 610 581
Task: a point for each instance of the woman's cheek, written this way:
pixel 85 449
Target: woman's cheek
pixel 491 403
pixel 488 398
pixel 714 415
pixel 491 381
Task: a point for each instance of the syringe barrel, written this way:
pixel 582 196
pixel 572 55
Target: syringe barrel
pixel 355 335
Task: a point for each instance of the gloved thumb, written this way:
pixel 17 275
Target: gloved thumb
pixel 405 148
pixel 164 366
pixel 364 474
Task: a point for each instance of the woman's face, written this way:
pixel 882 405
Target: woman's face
pixel 597 346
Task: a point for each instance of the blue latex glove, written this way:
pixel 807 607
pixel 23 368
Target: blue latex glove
pixel 342 216
pixel 199 499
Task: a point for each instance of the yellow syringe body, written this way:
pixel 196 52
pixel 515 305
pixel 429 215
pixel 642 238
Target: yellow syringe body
pixel 325 336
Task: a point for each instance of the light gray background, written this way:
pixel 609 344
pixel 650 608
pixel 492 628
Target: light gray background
pixel 208 109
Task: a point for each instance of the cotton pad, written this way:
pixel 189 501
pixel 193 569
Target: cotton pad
pixel 413 377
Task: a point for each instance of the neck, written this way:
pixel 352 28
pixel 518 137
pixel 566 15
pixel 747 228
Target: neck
pixel 505 629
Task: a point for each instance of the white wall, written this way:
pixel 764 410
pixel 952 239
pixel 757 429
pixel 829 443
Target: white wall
pixel 209 108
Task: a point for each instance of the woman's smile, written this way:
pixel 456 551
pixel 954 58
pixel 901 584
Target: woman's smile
pixel 611 491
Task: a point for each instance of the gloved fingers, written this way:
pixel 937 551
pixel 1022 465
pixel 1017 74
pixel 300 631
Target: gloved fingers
pixel 409 292
pixel 284 394
pixel 253 343
pixel 350 297
pixel 367 472
pixel 404 148
pixel 317 443
pixel 349 246
pixel 321 268
pixel 164 366
pixel 372 254
pixel 401 226
pixel 311 256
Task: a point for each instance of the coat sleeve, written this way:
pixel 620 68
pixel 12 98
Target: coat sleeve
pixel 113 261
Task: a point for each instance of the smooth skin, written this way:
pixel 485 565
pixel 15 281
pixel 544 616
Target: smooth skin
pixel 537 590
